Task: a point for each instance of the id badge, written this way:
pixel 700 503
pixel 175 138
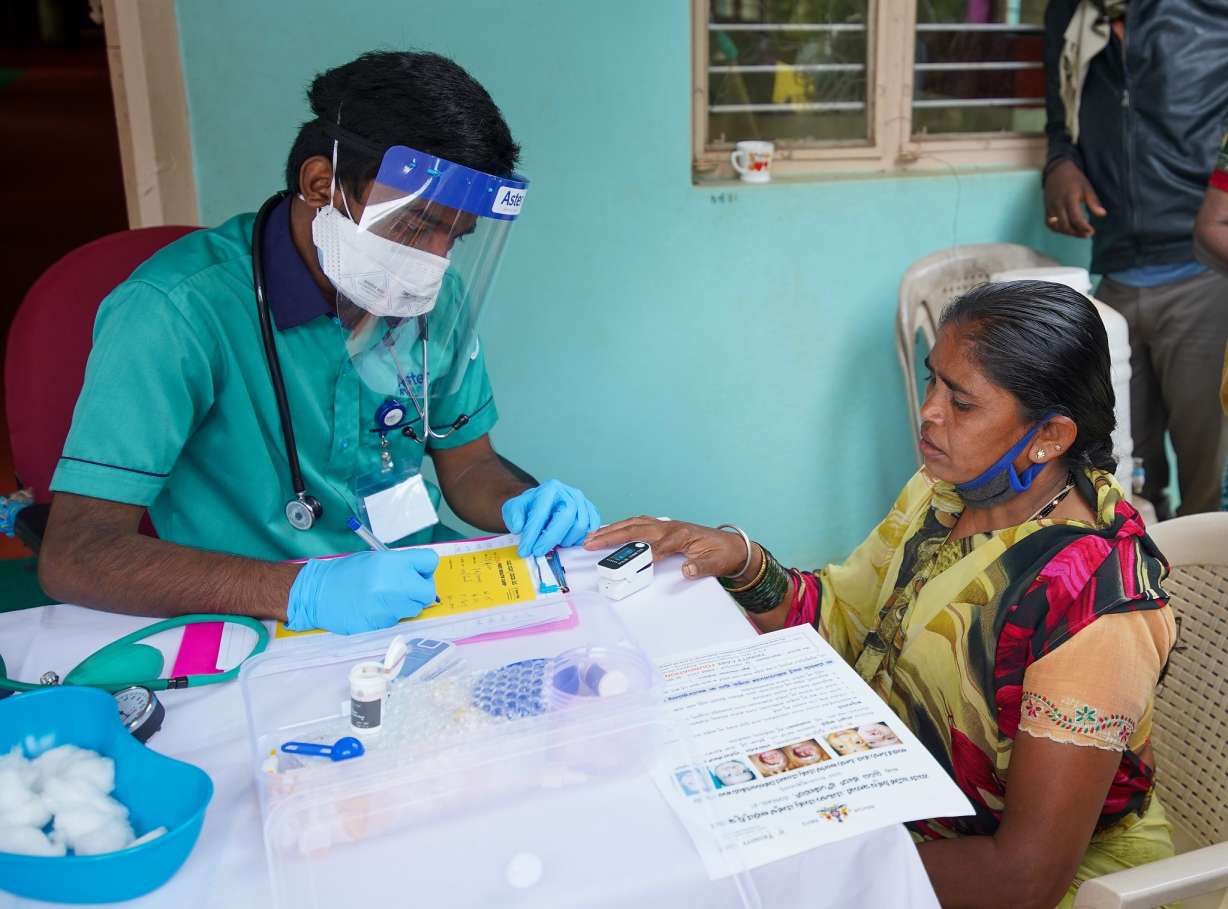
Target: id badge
pixel 396 506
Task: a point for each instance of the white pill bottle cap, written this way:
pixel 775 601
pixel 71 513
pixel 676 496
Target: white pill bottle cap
pixel 368 681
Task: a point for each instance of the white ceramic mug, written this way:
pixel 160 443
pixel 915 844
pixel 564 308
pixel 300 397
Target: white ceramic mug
pixel 752 159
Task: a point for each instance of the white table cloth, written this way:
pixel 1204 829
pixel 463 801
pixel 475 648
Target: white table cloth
pixel 207 727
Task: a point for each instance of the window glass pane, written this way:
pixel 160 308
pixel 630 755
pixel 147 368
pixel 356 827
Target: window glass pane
pixel 978 67
pixel 791 71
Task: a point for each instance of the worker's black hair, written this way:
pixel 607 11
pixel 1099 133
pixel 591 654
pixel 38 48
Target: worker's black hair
pixel 1045 344
pixel 385 98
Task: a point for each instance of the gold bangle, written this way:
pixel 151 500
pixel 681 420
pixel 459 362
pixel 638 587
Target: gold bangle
pixel 758 577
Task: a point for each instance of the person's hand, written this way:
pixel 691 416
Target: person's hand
pixel 1067 190
pixel 362 592
pixel 550 515
pixel 709 552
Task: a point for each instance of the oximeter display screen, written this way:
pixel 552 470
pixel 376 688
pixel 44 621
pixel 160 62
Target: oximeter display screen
pixel 621 557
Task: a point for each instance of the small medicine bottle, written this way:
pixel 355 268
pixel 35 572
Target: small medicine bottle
pixel 368 690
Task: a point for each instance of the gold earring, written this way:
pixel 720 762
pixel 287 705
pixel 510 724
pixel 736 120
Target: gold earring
pixel 1040 454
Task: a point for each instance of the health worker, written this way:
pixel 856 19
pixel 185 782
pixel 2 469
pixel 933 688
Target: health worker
pixel 265 387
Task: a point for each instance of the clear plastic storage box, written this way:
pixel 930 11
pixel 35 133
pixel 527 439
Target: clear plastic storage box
pixel 518 778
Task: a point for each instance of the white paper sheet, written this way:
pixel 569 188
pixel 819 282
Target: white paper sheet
pixel 795 751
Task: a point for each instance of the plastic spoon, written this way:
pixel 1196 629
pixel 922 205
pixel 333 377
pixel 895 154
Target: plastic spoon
pixel 343 749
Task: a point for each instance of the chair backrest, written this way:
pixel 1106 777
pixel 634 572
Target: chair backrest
pixel 50 340
pixel 928 287
pixel 1191 714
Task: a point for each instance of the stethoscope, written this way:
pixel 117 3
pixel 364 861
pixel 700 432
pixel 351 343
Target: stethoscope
pixel 305 509
pixel 127 663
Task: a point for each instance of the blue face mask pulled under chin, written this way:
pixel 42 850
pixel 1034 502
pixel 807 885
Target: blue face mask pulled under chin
pixel 1000 482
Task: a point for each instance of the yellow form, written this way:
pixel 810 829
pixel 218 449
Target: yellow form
pixel 467 582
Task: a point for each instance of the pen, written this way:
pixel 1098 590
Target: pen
pixel 370 539
pixel 556 565
pixel 365 535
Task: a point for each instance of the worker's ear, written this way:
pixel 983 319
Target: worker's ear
pixel 315 178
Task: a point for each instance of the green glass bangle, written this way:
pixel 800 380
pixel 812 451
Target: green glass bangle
pixel 769 591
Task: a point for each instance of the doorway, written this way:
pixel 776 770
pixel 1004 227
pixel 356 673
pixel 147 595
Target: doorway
pixel 63 176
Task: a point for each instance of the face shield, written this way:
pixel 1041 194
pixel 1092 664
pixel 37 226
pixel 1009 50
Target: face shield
pixel 415 269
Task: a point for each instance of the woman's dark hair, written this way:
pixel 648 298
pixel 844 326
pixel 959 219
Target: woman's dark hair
pixel 421 100
pixel 1046 345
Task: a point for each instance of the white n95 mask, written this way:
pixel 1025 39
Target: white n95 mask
pixel 385 278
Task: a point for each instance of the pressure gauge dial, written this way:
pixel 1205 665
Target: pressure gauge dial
pixel 141 711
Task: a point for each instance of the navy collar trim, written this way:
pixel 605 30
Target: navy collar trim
pixel 293 295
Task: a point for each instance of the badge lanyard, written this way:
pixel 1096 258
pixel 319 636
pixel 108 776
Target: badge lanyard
pixel 393 498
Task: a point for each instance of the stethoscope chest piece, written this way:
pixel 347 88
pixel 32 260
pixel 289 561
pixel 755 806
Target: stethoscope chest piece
pixel 303 512
pixel 141 711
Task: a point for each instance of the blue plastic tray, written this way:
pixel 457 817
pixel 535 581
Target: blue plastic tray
pixel 158 792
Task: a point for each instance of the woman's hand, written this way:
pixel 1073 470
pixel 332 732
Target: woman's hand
pixel 709 552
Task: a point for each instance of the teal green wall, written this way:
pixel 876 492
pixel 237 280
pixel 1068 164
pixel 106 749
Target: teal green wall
pixel 670 352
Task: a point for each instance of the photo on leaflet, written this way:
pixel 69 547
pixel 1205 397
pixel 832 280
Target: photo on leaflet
pixel 693 781
pixel 866 737
pixel 788 757
pixel 730 773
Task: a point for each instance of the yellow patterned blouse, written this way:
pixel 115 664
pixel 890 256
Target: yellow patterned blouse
pixel 1058 628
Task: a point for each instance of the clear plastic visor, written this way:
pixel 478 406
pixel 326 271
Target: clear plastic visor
pixel 416 273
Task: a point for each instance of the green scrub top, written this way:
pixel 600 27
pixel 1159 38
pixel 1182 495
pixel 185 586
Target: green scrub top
pixel 177 412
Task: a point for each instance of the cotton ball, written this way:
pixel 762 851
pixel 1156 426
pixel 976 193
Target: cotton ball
pixel 93 769
pixel 27 812
pixel 77 821
pixel 19 804
pixel 16 762
pixel 71 762
pixel 61 795
pixel 28 841
pixel 114 808
pixel 113 835
pixel 12 785
pixel 65 794
pixel 48 763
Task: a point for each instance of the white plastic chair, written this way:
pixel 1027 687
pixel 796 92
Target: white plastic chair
pixel 928 287
pixel 1191 731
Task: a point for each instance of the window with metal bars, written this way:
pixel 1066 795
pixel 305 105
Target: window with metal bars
pixel 869 85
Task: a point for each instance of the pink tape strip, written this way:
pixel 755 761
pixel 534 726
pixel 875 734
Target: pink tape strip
pixel 199 649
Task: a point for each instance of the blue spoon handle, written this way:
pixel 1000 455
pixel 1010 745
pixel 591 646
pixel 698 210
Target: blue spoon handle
pixel 341 750
pixel 307 748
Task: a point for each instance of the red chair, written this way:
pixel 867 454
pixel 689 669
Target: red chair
pixel 48 344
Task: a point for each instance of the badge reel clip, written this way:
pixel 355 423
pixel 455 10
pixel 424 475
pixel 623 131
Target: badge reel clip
pixel 394 496
pixel 625 571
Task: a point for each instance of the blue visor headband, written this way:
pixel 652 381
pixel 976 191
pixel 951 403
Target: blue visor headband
pixel 408 172
pixel 1001 481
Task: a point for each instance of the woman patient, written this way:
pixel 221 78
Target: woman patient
pixel 1008 608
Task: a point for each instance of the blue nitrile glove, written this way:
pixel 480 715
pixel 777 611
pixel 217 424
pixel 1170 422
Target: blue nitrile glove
pixel 362 592
pixel 552 514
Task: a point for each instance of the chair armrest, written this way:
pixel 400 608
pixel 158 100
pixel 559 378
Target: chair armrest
pixel 31 525
pixel 1176 878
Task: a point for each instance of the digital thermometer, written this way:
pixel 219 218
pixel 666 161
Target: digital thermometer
pixel 625 571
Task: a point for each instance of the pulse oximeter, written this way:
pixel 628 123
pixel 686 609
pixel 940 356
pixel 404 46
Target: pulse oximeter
pixel 625 571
